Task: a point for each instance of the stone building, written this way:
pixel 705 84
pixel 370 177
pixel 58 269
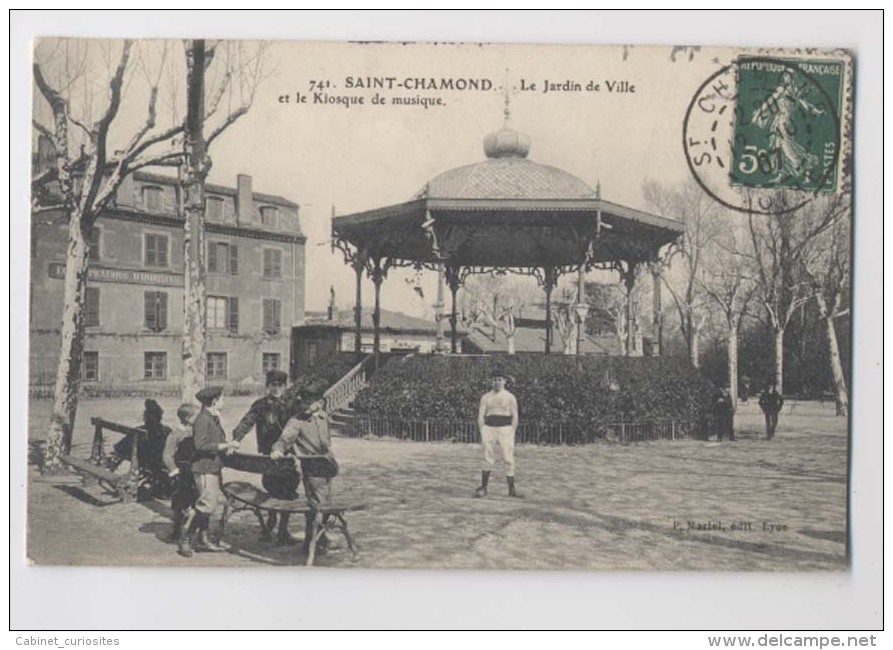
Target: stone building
pixel 134 312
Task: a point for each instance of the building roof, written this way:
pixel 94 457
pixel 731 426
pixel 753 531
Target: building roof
pixel 394 322
pixel 164 179
pixel 528 339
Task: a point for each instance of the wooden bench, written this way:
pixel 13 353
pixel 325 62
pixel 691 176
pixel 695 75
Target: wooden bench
pixel 123 485
pixel 240 495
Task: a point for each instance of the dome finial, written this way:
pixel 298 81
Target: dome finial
pixel 506 142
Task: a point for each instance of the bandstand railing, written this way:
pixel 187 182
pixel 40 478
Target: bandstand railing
pixel 341 393
pixel 431 430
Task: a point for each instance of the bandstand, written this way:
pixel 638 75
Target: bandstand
pixel 506 213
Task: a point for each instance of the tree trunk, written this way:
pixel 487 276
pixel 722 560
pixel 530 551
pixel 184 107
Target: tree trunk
pixel 195 169
pixel 840 392
pixel 779 359
pixel 68 374
pixel 694 344
pixel 732 353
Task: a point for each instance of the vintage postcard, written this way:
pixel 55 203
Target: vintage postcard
pixel 440 305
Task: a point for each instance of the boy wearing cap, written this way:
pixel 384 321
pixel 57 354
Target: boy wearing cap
pixel 210 442
pixel 307 434
pixel 177 455
pixel 268 416
pixel 497 422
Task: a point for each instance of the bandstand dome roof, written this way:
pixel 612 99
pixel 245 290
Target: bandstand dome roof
pixel 505 211
pixel 506 173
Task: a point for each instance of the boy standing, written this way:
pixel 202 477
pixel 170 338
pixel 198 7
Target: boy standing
pixel 177 456
pixel 307 434
pixel 210 443
pixel 497 422
pixel 268 416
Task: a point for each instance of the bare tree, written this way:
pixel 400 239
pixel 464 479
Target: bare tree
pixel 233 80
pixel 827 267
pixel 728 283
pixel 564 318
pixel 685 258
pixel 85 93
pixel 782 241
pixel 497 300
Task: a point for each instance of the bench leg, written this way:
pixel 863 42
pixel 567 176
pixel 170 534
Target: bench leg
pixel 342 526
pixel 319 527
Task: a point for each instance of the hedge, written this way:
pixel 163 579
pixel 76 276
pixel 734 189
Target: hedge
pixel 550 389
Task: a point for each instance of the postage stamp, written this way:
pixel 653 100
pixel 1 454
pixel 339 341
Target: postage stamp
pixel 787 126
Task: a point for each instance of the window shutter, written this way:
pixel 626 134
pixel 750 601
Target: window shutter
pixel 233 317
pixel 150 249
pixel 277 264
pixel 162 251
pixel 234 259
pixel 212 257
pixel 91 314
pixel 161 316
pixel 149 301
pixel 277 315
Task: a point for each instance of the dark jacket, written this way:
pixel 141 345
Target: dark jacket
pixel 207 435
pixel 269 415
pixel 771 401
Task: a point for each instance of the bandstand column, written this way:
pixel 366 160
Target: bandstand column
pixel 657 310
pixel 378 273
pixel 438 311
pixel 454 279
pixel 358 308
pixel 580 308
pixel 549 284
pixel 630 282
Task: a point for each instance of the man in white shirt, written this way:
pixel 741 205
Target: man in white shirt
pixel 497 422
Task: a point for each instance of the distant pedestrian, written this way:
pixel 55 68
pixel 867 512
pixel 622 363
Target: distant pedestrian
pixel 723 415
pixel 498 422
pixel 771 402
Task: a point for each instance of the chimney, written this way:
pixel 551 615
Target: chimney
pixel 332 310
pixel 244 199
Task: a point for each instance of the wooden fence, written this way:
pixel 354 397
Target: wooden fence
pixel 361 426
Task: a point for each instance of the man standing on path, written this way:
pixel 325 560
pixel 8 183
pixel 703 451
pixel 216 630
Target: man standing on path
pixel 269 415
pixel 497 423
pixel 771 402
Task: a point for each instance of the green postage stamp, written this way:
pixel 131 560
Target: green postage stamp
pixel 787 126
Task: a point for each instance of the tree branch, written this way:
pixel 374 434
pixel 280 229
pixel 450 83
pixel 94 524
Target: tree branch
pixel 232 117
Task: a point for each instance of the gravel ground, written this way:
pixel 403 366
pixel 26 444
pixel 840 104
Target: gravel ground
pixel 751 505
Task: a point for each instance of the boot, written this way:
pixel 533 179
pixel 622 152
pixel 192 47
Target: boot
pixel 266 533
pixel 184 545
pixel 482 490
pixel 512 492
pixel 204 543
pixel 177 530
pixel 284 538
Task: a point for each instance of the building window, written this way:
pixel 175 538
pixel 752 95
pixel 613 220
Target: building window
pixel 214 208
pixel 271 361
pixel 312 353
pixel 153 198
pixel 269 216
pixel 223 313
pixel 272 263
pixel 91 308
pixel 223 258
pixel 272 319
pixel 155 365
pixel 90 369
pixel 156 250
pixel 216 365
pixel 94 251
pixel 155 310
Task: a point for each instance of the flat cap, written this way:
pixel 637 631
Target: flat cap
pixel 277 377
pixel 207 395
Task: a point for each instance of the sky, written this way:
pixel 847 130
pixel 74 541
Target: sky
pixel 352 158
